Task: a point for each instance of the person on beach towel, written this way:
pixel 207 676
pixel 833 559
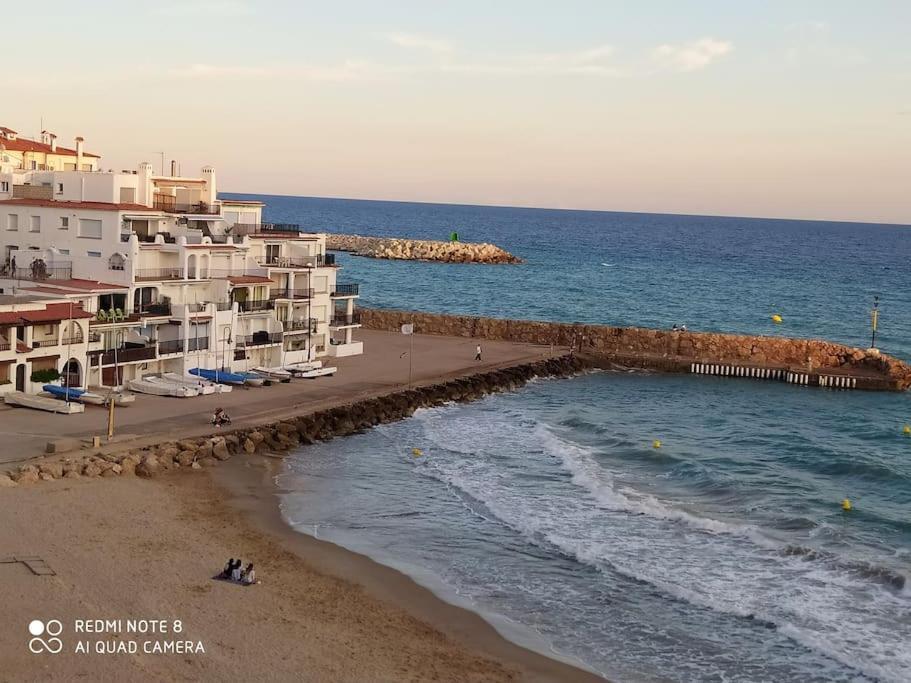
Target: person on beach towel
pixel 236 573
pixel 249 575
pixel 226 572
pixel 477 355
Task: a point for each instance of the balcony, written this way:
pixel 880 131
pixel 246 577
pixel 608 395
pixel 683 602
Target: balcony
pixel 345 290
pixel 300 325
pixel 38 271
pixel 155 309
pixel 291 294
pixel 274 229
pixel 316 261
pixel 94 336
pixel 75 339
pixel 128 355
pixel 197 344
pixel 260 339
pixel 5 345
pixel 255 306
pixel 341 320
pixel 167 203
pixel 170 346
pixel 154 274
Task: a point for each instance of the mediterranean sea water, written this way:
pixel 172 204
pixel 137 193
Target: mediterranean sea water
pixel 722 556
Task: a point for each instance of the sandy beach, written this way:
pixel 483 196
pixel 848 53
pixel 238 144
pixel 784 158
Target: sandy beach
pixel 129 548
pixel 125 548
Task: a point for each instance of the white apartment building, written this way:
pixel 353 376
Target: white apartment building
pixel 160 274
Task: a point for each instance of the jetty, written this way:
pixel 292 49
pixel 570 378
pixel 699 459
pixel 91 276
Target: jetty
pixel 420 250
pixel 804 362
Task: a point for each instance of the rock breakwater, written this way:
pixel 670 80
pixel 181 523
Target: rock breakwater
pixel 662 349
pixel 282 436
pixel 420 250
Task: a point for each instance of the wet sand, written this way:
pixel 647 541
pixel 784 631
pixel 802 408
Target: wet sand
pixel 127 548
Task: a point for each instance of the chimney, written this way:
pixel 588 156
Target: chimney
pixel 53 142
pixel 173 168
pixel 45 138
pixel 79 142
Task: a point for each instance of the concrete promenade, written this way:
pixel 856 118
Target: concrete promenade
pixel 381 369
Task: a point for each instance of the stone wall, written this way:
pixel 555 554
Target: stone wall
pixel 658 349
pixel 281 436
pixel 420 250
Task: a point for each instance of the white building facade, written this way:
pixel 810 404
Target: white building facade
pixel 163 276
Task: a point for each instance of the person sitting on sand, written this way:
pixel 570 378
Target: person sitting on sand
pixel 236 573
pixel 249 575
pixel 220 417
pixel 226 572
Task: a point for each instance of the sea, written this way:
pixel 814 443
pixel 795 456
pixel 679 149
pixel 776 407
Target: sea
pixel 723 555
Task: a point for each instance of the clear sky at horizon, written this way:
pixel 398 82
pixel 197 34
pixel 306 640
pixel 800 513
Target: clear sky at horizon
pixel 796 109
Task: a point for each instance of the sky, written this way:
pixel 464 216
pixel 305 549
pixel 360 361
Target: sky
pixel 779 108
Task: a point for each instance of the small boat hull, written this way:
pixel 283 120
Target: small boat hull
pixel 51 405
pixel 202 386
pixel 318 372
pixel 220 376
pixel 275 374
pixel 161 388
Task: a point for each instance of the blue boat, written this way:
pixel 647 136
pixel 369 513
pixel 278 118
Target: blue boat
pixel 57 391
pixel 220 376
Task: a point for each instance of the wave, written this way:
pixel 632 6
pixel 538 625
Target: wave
pixel 874 573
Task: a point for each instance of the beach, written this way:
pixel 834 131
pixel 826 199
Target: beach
pixel 138 549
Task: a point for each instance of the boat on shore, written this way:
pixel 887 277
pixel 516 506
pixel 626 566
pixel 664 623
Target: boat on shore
pixel 203 386
pixel 51 405
pixel 317 372
pixel 219 376
pixel 161 388
pixel 297 369
pixel 275 374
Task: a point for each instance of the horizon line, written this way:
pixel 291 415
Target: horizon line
pixel 577 210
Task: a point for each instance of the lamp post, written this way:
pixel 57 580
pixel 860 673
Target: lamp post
pixel 874 319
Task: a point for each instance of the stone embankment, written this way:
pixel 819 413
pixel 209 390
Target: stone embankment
pixel 282 436
pixel 420 250
pixel 664 349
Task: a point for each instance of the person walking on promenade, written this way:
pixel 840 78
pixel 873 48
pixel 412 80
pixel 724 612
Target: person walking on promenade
pixel 477 355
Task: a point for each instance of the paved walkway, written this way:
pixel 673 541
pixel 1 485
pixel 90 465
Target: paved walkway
pixel 382 368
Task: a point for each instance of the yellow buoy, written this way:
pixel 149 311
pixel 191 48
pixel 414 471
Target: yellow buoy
pixel 906 429
pixel 656 444
pixel 846 505
pixel 417 452
pixel 776 319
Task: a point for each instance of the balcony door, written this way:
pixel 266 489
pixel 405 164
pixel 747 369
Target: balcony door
pixel 272 253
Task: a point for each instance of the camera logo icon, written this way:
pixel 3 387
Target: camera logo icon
pixel 51 644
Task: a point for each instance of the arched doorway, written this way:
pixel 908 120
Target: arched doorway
pixel 20 377
pixel 71 375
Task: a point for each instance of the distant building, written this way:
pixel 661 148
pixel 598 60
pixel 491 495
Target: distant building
pixel 44 155
pixel 162 275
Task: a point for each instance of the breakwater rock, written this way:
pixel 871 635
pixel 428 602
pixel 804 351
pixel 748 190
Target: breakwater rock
pixel 420 250
pixel 198 453
pixel 662 349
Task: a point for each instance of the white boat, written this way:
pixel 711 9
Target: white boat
pixel 52 405
pixel 144 386
pixel 203 386
pixel 275 374
pixel 122 399
pixel 156 379
pixel 93 398
pixel 318 372
pixel 297 368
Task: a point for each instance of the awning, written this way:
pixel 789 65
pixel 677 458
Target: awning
pixel 202 217
pixel 141 217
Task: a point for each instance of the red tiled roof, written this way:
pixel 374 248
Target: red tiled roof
pixel 93 206
pixel 52 313
pixel 249 279
pixel 19 145
pixel 78 284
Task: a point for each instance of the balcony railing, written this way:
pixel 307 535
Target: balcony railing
pixel 252 306
pixel 170 346
pixel 276 229
pixel 224 305
pixel 260 338
pixel 197 344
pixel 128 355
pixel 5 345
pixel 166 203
pixel 75 339
pixel 94 336
pixel 343 320
pixel 291 294
pixel 160 308
pixel 38 271
pixel 158 274
pixel 298 325
pixel 346 290
pixel 213 273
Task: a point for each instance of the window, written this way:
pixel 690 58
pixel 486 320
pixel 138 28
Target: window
pixel 90 228
pixel 59 188
pixel 64 223
pixel 4 186
pixel 12 221
pixel 64 252
pixel 34 224
pixel 93 254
